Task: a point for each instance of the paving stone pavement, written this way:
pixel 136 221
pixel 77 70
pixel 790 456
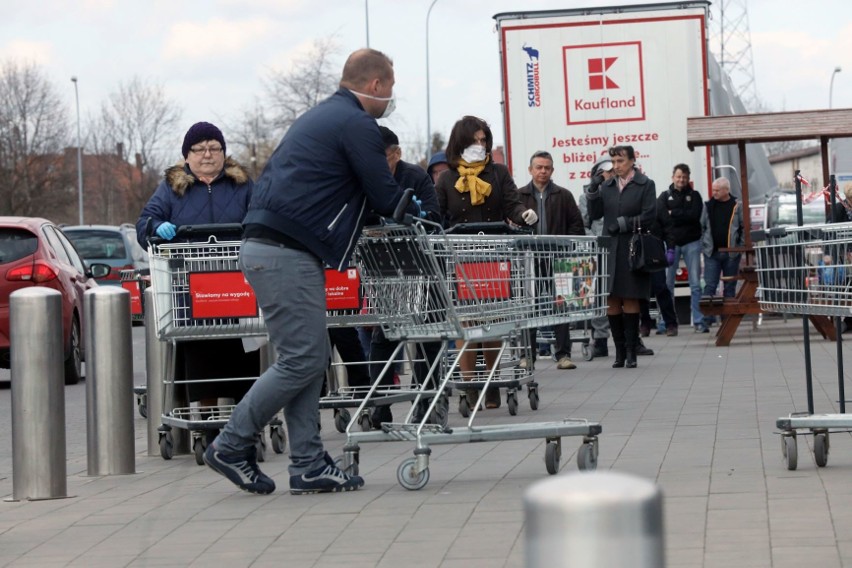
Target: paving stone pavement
pixel 697 419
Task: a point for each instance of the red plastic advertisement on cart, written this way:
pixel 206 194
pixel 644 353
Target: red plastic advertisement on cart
pixel 342 289
pixel 221 295
pixel 135 297
pixel 483 280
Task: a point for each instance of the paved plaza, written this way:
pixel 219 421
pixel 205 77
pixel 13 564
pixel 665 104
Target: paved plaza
pixel 697 419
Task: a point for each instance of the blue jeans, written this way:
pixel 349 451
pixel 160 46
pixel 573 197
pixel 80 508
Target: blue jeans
pixel 290 289
pixel 715 265
pixel 691 253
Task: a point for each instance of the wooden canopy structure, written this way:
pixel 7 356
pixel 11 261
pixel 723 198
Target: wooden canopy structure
pixel 742 129
pixel 756 128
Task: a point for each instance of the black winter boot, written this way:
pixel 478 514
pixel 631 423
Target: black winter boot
pixel 616 328
pixel 631 339
pixel 600 348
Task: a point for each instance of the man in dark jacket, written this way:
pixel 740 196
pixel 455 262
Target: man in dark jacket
pixel 684 206
pixel 308 209
pixel 558 214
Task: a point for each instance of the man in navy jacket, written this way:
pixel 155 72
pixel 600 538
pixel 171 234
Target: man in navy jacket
pixel 307 211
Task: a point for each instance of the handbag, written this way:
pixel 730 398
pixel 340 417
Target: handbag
pixel 646 252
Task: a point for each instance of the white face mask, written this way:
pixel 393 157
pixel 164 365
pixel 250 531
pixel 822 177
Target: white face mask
pixel 473 153
pixel 391 106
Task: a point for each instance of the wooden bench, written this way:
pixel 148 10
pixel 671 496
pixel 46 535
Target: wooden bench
pixel 745 303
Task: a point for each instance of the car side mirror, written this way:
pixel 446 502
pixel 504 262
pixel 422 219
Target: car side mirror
pixel 99 270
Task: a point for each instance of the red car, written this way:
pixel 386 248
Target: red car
pixel 35 252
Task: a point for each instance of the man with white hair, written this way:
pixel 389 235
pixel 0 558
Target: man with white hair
pixel 721 228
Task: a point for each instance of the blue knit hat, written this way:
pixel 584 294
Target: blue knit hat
pixel 199 132
pixel 437 158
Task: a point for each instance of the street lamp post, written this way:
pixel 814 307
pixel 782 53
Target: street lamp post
pixel 428 88
pixel 79 155
pixel 367 19
pixel 831 84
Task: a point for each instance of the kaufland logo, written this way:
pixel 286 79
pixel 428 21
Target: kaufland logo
pixel 533 78
pixel 604 83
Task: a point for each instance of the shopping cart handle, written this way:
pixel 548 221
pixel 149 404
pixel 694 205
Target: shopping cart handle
pixel 210 229
pixel 399 214
pixel 487 228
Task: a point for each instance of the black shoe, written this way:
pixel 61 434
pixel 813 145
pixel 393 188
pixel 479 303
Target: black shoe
pixel 328 478
pixel 241 470
pixel 380 414
pixel 642 350
pixel 600 348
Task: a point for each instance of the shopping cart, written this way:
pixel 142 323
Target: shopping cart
pixel 135 281
pixel 349 305
pixel 807 270
pixel 439 287
pixel 200 293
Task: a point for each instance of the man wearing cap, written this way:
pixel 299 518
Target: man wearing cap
pixel 557 215
pixel 437 165
pixel 307 211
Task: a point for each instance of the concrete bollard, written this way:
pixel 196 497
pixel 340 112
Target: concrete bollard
pixel 592 520
pixel 38 395
pixel 110 440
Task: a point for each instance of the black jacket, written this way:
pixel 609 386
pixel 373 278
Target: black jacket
pixel 563 215
pixel 684 209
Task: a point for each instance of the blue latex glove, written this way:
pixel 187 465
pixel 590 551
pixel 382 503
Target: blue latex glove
pixel 670 256
pixel 420 212
pixel 166 231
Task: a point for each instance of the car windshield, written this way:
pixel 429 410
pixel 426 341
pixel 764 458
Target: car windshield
pixel 16 244
pixel 811 213
pixel 98 245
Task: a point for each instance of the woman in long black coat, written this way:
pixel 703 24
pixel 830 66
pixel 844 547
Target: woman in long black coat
pixel 625 201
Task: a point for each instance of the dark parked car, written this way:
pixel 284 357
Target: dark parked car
pixel 34 252
pixel 109 244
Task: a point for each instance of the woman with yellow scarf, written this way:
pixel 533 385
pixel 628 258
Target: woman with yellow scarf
pixel 477 190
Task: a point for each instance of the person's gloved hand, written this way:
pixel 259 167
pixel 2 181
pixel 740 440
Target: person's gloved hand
pixel 596 181
pixel 166 231
pixel 529 216
pixel 420 212
pixel 670 256
pixel 613 229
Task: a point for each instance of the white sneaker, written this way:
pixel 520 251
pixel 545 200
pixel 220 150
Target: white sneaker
pixel 522 364
pixel 565 363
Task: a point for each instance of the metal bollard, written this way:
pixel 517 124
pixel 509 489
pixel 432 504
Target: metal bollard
pixel 592 520
pixel 110 441
pixel 38 395
pixel 159 358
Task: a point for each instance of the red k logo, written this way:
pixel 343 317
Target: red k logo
pixel 598 80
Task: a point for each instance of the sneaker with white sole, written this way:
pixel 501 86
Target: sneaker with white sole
pixel 565 363
pixel 241 470
pixel 328 478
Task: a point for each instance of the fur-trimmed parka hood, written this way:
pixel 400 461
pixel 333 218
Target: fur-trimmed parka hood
pixel 180 178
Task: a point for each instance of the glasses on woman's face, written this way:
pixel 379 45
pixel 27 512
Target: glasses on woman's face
pixel 201 150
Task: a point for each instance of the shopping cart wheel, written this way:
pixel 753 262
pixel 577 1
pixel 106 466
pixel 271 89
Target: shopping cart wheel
pixel 533 398
pixel 198 450
pixel 341 419
pixel 441 413
pixel 167 445
pixel 364 422
pixel 587 351
pixel 789 451
pixel 552 455
pixel 142 404
pixel 260 449
pixel 512 403
pixel 408 479
pixel 464 406
pixel 277 439
pixel 821 448
pixel 587 456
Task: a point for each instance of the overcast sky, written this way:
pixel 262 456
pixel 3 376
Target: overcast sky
pixel 211 56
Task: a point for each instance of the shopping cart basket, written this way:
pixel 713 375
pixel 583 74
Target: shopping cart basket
pixel 439 287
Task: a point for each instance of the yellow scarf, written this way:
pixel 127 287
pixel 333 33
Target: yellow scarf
pixel 469 181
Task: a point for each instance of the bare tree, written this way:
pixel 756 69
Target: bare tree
pixel 138 121
pixel 253 138
pixel 311 78
pixel 37 176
